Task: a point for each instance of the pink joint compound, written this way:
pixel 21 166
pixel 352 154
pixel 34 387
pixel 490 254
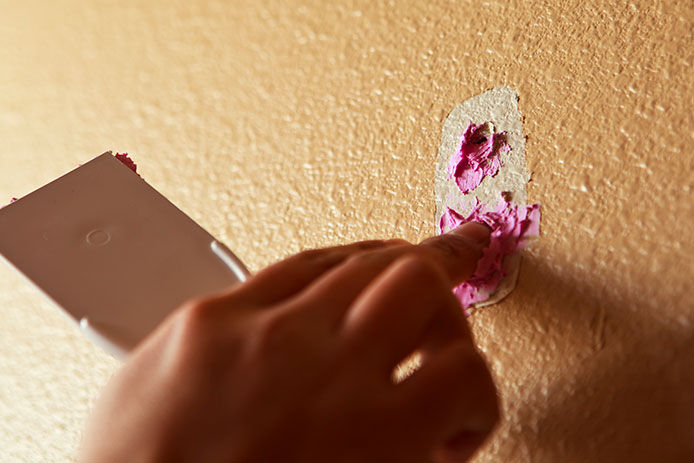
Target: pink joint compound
pixel 122 157
pixel 512 228
pixel 477 157
pixel 11 201
pixel 129 163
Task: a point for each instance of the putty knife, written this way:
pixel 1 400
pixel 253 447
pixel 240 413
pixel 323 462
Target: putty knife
pixel 112 252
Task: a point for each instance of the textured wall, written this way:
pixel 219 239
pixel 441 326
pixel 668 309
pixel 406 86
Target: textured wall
pixel 284 125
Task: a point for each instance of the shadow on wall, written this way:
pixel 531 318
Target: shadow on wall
pixel 628 396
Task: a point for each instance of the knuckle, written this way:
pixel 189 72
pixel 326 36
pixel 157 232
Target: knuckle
pixel 200 317
pixel 398 242
pixel 202 330
pixel 369 245
pixel 457 247
pixel 359 260
pixel 366 259
pixel 408 248
pixel 286 334
pixel 272 331
pixel 193 316
pixel 420 269
pixel 195 310
pixel 188 334
pixel 309 255
pixel 316 258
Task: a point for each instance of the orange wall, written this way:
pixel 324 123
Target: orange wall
pixel 284 125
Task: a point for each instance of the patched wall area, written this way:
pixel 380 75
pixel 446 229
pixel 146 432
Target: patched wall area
pixel 280 126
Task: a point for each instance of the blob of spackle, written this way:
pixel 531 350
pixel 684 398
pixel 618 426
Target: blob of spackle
pixel 11 201
pixel 477 157
pixel 122 157
pixel 129 163
pixel 512 227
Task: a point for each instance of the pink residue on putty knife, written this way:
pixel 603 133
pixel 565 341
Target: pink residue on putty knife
pixel 477 157
pixel 512 228
pixel 129 163
pixel 122 157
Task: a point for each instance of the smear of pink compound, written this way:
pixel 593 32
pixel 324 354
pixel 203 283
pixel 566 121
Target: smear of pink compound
pixel 129 163
pixel 122 157
pixel 512 228
pixel 477 157
pixel 11 201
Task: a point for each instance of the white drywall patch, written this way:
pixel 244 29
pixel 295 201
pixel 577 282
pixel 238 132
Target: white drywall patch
pixel 499 108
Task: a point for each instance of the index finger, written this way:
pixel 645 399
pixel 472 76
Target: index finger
pixel 457 251
pixel 286 278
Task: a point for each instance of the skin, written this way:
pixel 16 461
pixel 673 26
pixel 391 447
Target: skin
pixel 296 365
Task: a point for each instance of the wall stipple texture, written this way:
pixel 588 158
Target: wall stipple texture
pixel 285 125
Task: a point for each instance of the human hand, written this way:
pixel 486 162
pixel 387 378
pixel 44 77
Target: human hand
pixel 296 365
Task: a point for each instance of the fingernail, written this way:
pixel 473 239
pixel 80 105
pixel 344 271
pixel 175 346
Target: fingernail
pixel 476 232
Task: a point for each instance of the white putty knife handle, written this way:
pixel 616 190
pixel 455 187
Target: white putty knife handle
pixel 231 261
pixel 99 335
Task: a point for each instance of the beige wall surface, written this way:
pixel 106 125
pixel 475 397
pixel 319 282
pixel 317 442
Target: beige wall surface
pixel 281 125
